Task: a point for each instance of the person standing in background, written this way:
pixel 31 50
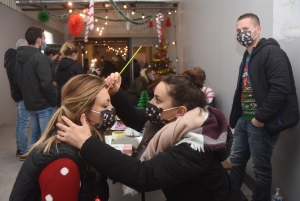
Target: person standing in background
pixel 35 81
pixel 265 103
pixel 23 118
pixel 67 67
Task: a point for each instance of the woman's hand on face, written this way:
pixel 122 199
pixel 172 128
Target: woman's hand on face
pixel 73 134
pixel 113 82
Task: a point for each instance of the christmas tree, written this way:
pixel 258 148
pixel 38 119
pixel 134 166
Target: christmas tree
pixel 160 61
pixel 144 99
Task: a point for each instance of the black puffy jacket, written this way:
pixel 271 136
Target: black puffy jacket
pixel 271 77
pixel 26 187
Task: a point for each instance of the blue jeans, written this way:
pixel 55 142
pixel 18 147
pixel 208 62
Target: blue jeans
pixel 254 141
pixel 39 121
pixel 22 126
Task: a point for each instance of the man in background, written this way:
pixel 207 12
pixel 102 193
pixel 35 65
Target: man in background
pixel 22 119
pixel 35 81
pixel 265 103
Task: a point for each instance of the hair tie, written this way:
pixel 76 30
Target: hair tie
pixel 191 79
pixel 62 107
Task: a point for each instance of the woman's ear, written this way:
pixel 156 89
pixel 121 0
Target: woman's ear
pixel 181 111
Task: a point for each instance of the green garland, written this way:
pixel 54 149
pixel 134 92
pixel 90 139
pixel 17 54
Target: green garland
pixel 136 21
pixel 146 20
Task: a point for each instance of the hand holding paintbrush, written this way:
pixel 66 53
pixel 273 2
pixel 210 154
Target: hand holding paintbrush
pixel 113 82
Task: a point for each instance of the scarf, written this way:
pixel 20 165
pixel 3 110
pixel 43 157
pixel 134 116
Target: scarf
pixel 205 131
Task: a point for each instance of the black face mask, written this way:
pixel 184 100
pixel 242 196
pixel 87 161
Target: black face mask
pixel 108 119
pixel 153 114
pixel 244 38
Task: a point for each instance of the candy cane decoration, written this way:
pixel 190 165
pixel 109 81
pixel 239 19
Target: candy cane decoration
pixel 87 29
pixel 159 19
pixel 91 15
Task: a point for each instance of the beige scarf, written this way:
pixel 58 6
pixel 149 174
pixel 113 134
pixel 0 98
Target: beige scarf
pixel 171 133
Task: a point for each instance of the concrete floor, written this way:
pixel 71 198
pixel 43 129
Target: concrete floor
pixel 10 166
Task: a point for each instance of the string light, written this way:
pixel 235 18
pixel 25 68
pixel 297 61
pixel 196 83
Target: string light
pixel 97 28
pixel 105 23
pixel 143 16
pixel 96 20
pixel 133 11
pixel 176 59
pixel 174 42
pixel 175 11
pixel 70 11
pixel 102 28
pixel 125 6
pixel 70 3
pixel 170 12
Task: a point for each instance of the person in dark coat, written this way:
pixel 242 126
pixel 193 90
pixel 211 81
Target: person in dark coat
pixel 54 170
pixel 67 67
pixel 183 144
pixel 265 103
pixel 34 78
pixel 140 84
pixel 22 118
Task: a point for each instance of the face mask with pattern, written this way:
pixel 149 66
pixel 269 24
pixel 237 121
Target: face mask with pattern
pixel 244 37
pixel 154 114
pixel 108 119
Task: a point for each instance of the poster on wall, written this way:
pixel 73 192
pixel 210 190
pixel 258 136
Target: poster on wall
pixel 286 19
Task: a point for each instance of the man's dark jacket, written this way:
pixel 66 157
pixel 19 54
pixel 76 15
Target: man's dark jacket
pixel 34 79
pixel 271 77
pixel 10 64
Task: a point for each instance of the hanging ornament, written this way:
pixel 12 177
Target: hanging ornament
pixel 150 24
pixel 97 199
pixel 159 19
pixel 43 16
pixel 87 30
pixel 168 22
pixel 75 24
pixel 91 15
pixel 127 23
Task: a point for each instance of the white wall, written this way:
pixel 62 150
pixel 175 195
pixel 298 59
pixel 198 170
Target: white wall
pixel 13 27
pixel 206 37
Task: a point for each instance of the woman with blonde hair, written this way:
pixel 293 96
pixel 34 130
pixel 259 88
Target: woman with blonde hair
pixel 53 169
pixel 67 67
